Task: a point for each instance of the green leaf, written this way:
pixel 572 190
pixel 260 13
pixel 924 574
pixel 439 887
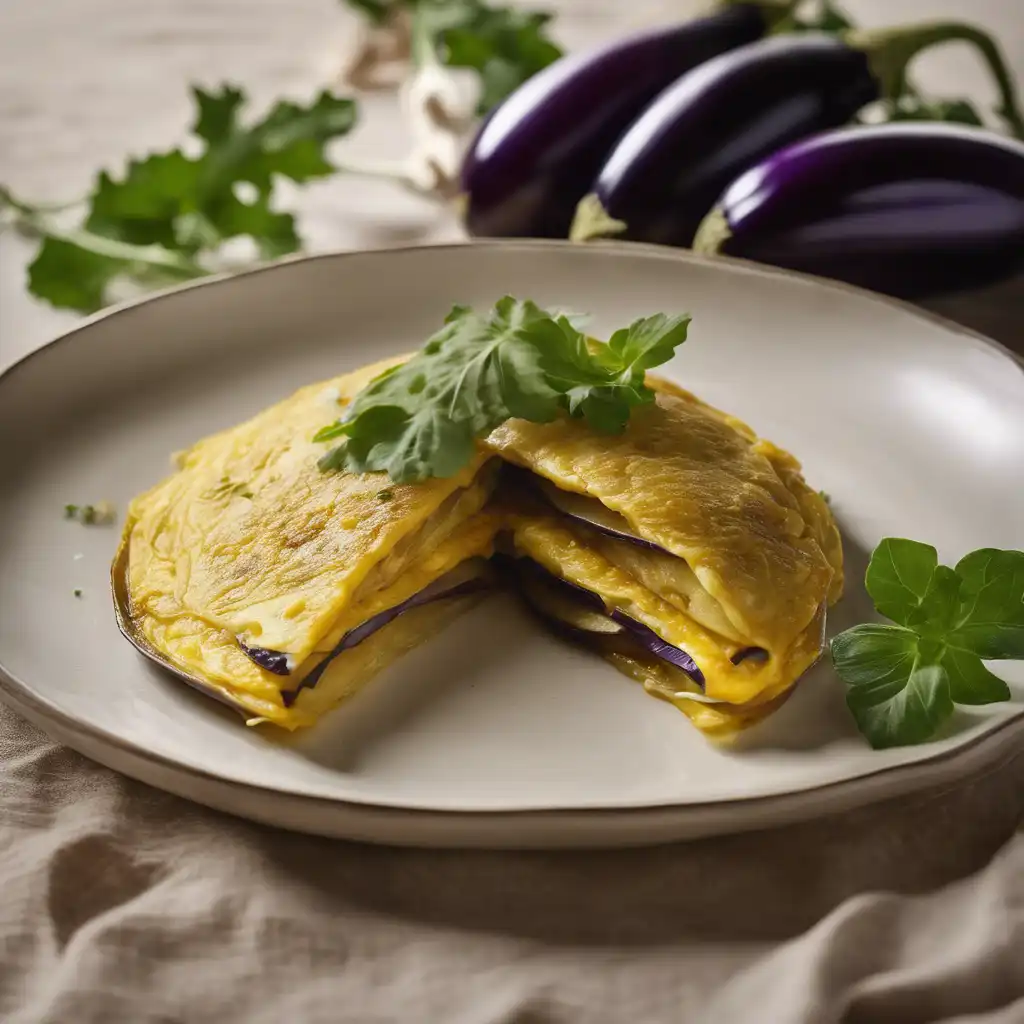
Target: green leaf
pixel 73 268
pixel 614 373
pixel 422 418
pixel 505 46
pixel 898 576
pixel 142 207
pixel 165 210
pixel 895 697
pixel 70 277
pixel 903 680
pixel 216 113
pixel 969 681
pixel 648 342
pixel 992 619
pixel 939 609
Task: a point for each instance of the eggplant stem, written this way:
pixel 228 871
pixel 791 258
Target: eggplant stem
pixel 889 51
pixel 592 221
pixel 713 233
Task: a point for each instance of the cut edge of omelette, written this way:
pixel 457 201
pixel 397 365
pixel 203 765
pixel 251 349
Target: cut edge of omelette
pixel 668 593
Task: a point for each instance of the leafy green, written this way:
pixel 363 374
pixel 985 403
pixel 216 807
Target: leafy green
pixel 102 513
pixel 904 680
pixel 898 576
pixel 422 418
pixel 903 101
pixel 504 45
pixel 992 623
pixel 158 219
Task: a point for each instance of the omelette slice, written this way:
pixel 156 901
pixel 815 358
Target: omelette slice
pixel 281 589
pixel 686 550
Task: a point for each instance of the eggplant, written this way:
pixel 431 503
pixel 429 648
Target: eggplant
pixel 538 152
pixel 583 614
pixel 278 662
pixel 910 210
pixel 673 163
pixel 462 581
pixel 592 513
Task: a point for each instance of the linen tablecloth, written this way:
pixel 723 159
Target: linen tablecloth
pixel 121 903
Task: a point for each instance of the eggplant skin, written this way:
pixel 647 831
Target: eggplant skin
pixel 537 154
pixel 667 171
pixel 910 211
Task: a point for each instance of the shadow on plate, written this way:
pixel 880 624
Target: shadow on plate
pixel 421 683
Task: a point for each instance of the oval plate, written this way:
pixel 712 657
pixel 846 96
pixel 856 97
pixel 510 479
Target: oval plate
pixel 494 734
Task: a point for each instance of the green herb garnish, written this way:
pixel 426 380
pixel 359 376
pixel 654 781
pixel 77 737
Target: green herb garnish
pixel 904 680
pixel 77 592
pixel 160 220
pixel 386 495
pixel 102 512
pixel 421 419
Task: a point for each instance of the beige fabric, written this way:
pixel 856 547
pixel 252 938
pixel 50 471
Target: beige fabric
pixel 120 903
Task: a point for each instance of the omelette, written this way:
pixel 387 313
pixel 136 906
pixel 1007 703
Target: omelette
pixel 686 551
pixel 280 589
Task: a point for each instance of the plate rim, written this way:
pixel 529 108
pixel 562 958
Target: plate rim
pixel 552 827
pixel 711 817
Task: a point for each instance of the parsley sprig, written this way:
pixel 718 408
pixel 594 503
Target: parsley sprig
pixel 904 679
pixel 420 419
pixel 163 217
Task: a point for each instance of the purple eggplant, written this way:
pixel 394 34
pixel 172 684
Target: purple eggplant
pixel 583 614
pixel 536 154
pixel 672 164
pixel 464 580
pixel 908 210
pixel 732 112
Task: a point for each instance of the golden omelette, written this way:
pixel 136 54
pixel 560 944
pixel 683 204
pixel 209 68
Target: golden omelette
pixel 688 552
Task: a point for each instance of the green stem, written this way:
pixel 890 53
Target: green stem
pixel 423 45
pixel 890 50
pixel 8 198
pixel 31 223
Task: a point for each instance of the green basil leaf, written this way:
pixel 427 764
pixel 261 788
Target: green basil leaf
pixel 894 696
pixel 992 620
pixel 969 681
pixel 898 576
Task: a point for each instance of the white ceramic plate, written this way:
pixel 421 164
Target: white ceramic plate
pixel 493 733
